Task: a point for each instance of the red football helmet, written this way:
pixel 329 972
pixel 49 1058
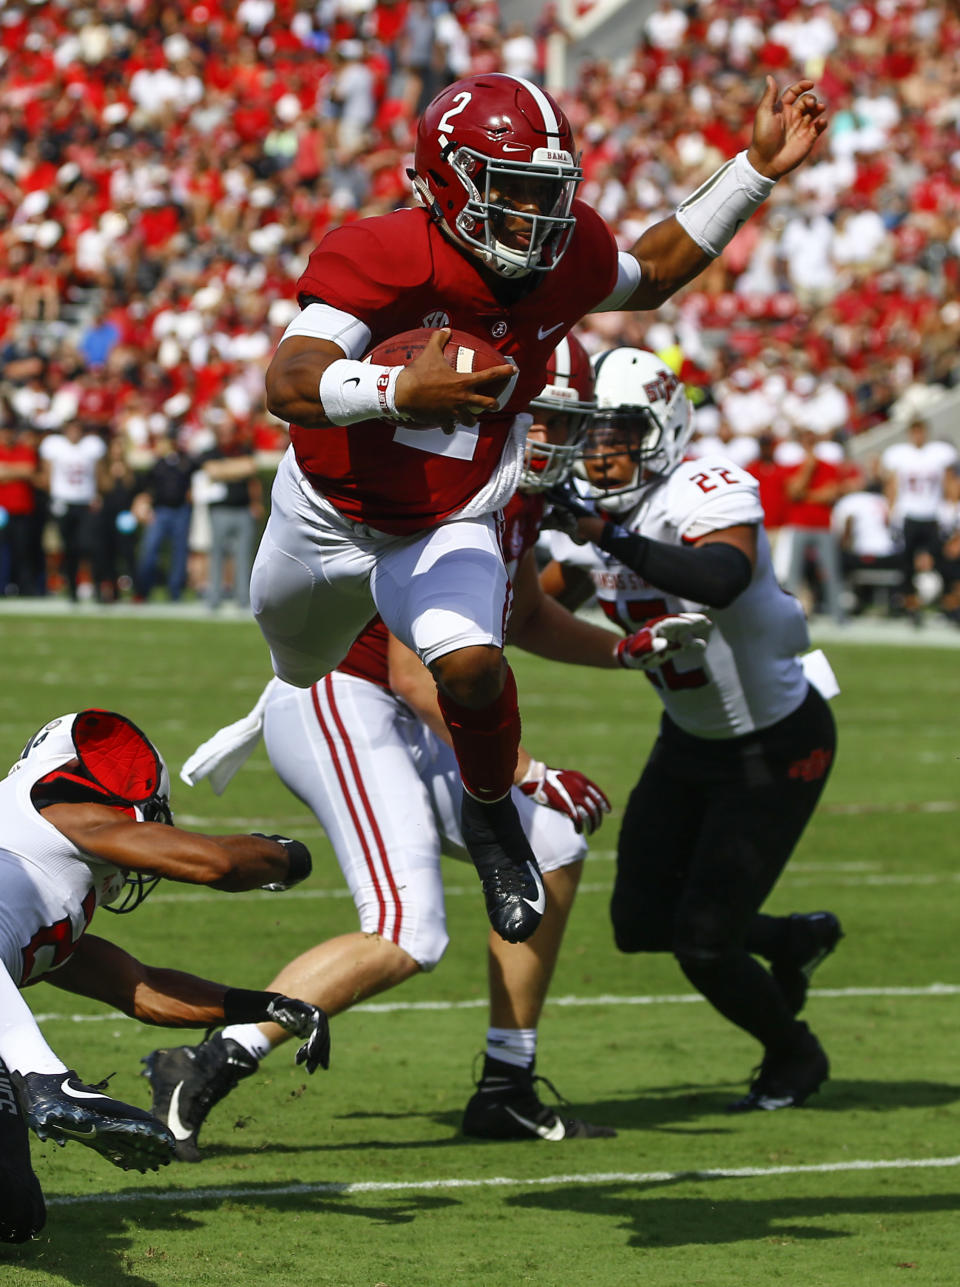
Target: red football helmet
pixel 565 404
pixel 495 164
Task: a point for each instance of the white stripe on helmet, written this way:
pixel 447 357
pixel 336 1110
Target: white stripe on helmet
pixel 550 122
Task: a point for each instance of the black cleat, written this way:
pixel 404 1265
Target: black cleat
pixel 814 935
pixel 508 871
pixel 23 1212
pixel 505 1106
pixel 788 1079
pixel 188 1080
pixel 60 1107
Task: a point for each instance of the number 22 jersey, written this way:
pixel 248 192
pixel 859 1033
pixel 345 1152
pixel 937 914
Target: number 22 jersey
pixel 749 677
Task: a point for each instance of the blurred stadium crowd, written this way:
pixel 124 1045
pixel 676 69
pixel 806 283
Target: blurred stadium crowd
pixel 165 169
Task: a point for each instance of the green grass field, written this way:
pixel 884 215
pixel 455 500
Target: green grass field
pixel 328 1181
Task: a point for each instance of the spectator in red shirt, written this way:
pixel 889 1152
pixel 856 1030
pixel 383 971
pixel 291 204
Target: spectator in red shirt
pixel 18 467
pixel 772 477
pixel 812 485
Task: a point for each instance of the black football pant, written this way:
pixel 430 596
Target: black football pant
pixel 22 1209
pixel 919 534
pixel 706 833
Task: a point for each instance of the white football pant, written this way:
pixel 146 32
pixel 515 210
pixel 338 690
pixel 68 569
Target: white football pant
pixel 387 793
pixel 318 578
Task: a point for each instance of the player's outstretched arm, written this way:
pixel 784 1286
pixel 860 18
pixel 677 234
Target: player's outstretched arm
pixel 173 999
pixel 541 625
pixel 232 863
pixel 671 253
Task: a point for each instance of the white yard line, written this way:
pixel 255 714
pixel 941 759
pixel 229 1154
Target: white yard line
pixel 301 820
pixel 256 1194
pixel 798 878
pixel 476 1003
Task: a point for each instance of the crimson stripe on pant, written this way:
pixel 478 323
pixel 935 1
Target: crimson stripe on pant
pixel 364 801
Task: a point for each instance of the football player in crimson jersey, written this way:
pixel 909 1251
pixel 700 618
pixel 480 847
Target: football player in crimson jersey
pixel 387 496
pixel 86 823
pixel 746 742
pixel 367 749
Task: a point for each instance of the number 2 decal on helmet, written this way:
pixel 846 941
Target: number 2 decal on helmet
pixel 495 166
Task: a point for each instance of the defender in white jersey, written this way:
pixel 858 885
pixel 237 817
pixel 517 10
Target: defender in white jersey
pixel 745 742
pixel 367 751
pixel 917 473
pixel 85 823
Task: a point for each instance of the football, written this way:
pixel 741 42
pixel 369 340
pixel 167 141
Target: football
pixel 464 353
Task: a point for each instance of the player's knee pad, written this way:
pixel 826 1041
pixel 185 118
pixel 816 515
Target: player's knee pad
pixel 636 933
pixel 426 943
pixel 414 919
pixel 701 948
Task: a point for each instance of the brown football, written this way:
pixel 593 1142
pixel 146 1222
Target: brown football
pixel 463 352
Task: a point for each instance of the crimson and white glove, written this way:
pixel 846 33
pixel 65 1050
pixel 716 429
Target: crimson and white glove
pixel 661 638
pixel 568 792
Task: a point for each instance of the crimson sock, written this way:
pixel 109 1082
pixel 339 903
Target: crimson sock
pixel 485 741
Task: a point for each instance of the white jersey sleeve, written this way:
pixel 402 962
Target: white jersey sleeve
pixel 709 494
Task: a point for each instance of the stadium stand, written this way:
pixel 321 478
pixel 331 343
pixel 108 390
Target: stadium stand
pixel 165 167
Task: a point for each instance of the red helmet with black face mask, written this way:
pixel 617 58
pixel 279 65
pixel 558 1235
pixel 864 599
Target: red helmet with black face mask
pixel 495 165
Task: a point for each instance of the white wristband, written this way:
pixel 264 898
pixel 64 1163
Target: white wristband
pixel 722 205
pixel 353 391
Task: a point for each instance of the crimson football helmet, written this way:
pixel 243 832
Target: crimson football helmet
pixel 643 413
pixel 96 755
pixel 495 164
pixel 565 404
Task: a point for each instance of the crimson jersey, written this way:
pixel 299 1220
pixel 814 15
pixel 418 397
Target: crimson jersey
pixel 367 659
pixel 397 272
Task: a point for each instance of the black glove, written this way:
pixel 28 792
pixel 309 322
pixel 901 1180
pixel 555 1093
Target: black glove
pixel 567 506
pixel 300 862
pixel 304 1020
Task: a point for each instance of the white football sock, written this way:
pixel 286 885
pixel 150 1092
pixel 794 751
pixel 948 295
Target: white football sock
pixel 250 1037
pixel 512 1045
pixel 22 1045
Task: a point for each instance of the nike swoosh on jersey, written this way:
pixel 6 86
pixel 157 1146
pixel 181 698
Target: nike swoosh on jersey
pixel 75 1092
pixel 540 903
pixel 544 331
pixel 180 1132
pixel 555 1132
pixel 353 379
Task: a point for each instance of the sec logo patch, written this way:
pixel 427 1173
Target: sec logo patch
pixel 437 318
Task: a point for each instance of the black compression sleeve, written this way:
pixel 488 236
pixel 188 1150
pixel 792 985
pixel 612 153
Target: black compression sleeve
pixel 712 574
pixel 240 1005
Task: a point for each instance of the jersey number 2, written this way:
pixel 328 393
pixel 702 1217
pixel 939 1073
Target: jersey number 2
pixel 460 443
